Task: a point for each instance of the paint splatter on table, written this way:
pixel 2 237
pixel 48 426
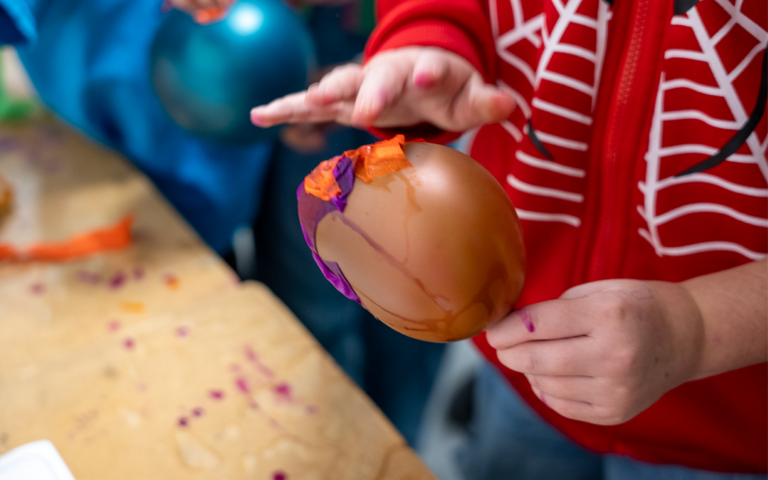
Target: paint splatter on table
pixel 151 362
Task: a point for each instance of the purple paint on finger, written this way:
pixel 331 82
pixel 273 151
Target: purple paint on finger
pixel 525 316
pixel 182 331
pixel 129 343
pixel 183 421
pixel 279 475
pixel 198 412
pixel 114 325
pixel 37 288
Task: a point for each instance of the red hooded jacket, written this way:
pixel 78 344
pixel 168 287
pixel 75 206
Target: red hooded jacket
pixel 614 103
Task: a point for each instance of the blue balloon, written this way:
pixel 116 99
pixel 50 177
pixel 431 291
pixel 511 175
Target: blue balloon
pixel 208 77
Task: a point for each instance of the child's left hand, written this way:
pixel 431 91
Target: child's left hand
pixel 191 6
pixel 604 351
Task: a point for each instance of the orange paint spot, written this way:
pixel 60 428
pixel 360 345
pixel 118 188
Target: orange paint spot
pixel 132 307
pixel 369 161
pixel 377 159
pixel 172 282
pixel 321 182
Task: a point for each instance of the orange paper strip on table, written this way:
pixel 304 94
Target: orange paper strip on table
pixel 114 237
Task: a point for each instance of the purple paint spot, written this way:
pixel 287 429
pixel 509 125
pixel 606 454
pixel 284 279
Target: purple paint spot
pixel 171 281
pixel 138 273
pixel 198 412
pixel 525 316
pixel 129 343
pixel 37 288
pixel 250 354
pixel 216 394
pixel 279 476
pixel 114 325
pixel 242 384
pixel 182 331
pixel 183 421
pixel 85 276
pixel 117 280
pixel 254 359
pixel 283 390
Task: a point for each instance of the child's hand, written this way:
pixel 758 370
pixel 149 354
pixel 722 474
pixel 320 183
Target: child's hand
pixel 605 351
pixel 396 88
pixel 192 6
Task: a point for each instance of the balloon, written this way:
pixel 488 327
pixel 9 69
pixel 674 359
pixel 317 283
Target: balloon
pixel 208 77
pixel 433 248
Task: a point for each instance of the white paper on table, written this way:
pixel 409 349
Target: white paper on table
pixel 34 461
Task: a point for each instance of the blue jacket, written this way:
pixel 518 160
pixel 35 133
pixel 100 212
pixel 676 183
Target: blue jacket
pixel 89 61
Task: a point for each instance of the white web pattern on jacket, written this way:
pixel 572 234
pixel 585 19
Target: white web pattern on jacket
pixel 534 31
pixel 657 153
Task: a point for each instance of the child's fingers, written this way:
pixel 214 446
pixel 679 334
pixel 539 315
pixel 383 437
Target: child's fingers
pixel 550 320
pixel 573 388
pixel 430 68
pixel 341 84
pixel 479 103
pixel 193 5
pixel 575 356
pixel 382 86
pixel 583 411
pixel 292 109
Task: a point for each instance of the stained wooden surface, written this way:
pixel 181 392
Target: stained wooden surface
pixel 154 362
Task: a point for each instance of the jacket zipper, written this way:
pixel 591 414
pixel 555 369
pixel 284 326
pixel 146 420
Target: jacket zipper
pixel 625 124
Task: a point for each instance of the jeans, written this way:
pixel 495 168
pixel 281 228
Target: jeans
pixel 508 440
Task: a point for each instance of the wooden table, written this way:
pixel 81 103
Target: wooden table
pixel 155 362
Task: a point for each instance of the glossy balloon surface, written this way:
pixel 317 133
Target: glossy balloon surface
pixel 208 77
pixel 435 251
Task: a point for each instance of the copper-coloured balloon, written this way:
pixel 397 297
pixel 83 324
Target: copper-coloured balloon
pixel 435 250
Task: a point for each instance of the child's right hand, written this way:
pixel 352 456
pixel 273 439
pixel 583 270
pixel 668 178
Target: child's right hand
pixel 396 88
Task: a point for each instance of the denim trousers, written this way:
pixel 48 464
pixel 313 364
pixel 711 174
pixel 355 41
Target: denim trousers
pixel 508 440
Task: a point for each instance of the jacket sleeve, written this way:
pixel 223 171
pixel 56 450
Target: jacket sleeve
pixel 17 22
pixel 459 26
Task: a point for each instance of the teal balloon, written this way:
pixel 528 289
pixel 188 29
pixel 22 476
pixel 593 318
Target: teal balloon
pixel 208 77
